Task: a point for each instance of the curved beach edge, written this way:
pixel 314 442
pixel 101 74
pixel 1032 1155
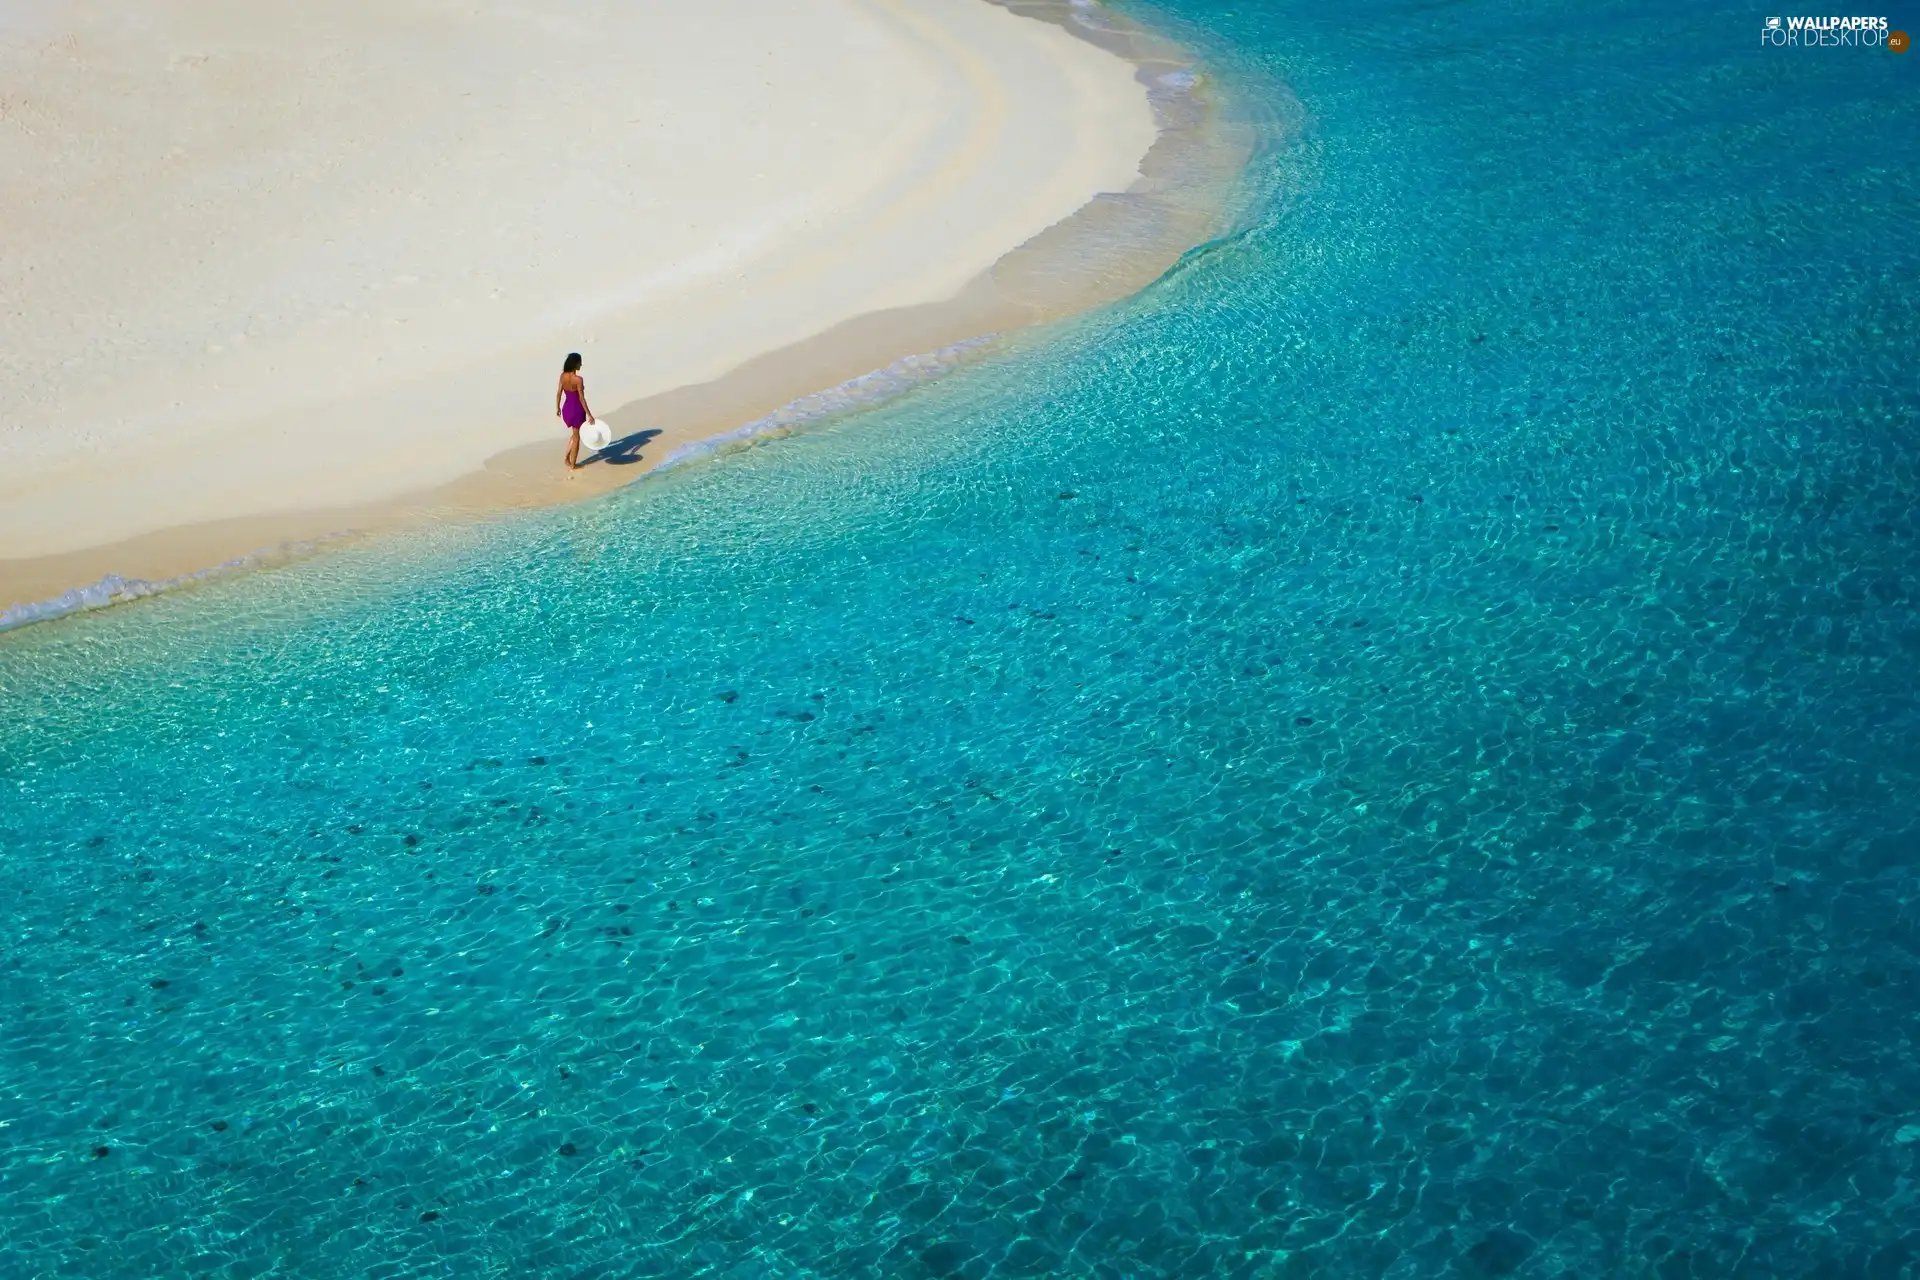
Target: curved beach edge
pixel 1110 249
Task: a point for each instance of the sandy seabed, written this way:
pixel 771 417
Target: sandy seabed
pixel 276 272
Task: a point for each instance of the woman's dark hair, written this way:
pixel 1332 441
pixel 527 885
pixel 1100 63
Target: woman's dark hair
pixel 572 365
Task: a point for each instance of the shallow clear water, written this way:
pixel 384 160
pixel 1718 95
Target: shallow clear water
pixel 1393 754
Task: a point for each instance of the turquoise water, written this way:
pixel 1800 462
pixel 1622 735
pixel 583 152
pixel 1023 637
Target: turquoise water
pixel 1392 754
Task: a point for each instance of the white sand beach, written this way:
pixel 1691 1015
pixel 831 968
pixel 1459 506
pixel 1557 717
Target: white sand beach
pixel 260 256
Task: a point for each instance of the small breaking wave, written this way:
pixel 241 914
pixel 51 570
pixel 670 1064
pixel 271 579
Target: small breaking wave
pixel 1087 14
pixel 864 392
pixel 115 589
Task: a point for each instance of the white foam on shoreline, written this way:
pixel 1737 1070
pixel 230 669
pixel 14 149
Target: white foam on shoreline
pixel 1087 14
pixel 110 590
pixel 864 392
pixel 115 589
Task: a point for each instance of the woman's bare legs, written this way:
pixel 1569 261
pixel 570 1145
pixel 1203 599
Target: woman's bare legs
pixel 573 450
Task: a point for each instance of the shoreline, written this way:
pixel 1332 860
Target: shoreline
pixel 1109 249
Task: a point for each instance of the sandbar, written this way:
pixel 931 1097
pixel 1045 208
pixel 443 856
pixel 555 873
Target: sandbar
pixel 278 273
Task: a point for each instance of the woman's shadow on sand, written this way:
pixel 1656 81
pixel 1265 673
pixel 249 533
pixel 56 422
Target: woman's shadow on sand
pixel 623 452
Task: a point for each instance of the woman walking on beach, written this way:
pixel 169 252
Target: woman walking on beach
pixel 570 406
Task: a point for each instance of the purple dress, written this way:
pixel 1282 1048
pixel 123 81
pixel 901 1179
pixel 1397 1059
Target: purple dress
pixel 572 412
